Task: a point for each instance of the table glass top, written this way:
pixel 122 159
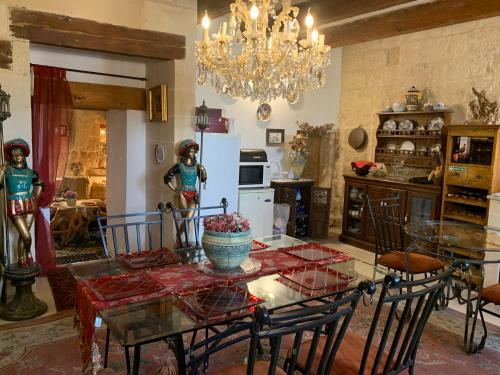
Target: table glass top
pixel 166 316
pixel 455 235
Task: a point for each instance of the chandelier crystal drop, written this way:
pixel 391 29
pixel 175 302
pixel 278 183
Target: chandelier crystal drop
pixel 258 54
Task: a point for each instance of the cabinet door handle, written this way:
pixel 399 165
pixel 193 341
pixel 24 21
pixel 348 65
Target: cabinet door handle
pixel 267 200
pixel 406 219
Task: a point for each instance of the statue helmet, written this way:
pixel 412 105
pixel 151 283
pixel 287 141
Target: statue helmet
pixel 187 144
pixel 16 143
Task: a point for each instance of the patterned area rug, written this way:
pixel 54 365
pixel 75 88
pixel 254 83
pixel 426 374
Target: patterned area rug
pixel 53 348
pixel 63 288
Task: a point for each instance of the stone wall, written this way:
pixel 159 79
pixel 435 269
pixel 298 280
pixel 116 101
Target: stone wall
pixel 86 152
pixel 446 62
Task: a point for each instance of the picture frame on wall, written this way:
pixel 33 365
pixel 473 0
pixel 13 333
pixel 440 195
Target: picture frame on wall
pixel 275 137
pixel 158 109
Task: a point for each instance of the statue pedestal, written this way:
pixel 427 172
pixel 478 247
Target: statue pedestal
pixel 24 305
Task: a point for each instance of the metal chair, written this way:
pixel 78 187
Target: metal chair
pixel 182 223
pixel 331 319
pixel 359 354
pixel 140 229
pixel 135 232
pixel 489 296
pixel 388 226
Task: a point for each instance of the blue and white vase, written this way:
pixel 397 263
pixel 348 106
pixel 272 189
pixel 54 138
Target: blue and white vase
pixel 227 251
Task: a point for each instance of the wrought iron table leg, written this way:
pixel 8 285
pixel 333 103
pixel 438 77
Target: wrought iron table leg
pixel 137 359
pixel 179 353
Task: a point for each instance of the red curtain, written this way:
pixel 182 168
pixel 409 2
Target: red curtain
pixel 52 113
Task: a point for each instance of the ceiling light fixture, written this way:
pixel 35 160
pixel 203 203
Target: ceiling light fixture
pixel 258 54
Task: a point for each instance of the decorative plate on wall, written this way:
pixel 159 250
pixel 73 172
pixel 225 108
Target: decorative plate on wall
pixel 159 154
pixel 292 97
pixel 264 112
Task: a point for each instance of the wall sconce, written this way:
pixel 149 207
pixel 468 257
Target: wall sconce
pixel 202 117
pixel 4 105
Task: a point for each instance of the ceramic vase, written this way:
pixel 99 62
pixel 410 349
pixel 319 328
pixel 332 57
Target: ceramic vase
pixel 227 251
pixel 71 201
pixel 297 164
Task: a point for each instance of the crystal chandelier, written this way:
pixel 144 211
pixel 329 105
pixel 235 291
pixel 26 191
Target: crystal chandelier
pixel 259 56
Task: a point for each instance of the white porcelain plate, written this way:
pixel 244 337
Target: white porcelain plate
pixel 390 125
pixel 264 112
pixel 406 125
pixel 407 146
pixel 436 123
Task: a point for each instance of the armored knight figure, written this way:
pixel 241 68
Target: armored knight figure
pixel 188 171
pixel 23 188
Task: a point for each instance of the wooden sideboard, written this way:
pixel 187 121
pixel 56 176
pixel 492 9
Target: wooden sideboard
pixel 420 202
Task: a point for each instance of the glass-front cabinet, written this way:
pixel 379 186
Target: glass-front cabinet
pixel 418 202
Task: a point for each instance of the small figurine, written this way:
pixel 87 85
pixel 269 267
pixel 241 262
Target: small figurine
pixel 23 191
pixel 188 171
pixel 482 109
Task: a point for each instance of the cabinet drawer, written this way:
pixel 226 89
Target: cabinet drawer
pixel 456 175
pixel 479 177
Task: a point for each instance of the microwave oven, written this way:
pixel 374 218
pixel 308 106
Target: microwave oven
pixel 255 170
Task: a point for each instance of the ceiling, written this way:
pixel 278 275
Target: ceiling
pixel 347 22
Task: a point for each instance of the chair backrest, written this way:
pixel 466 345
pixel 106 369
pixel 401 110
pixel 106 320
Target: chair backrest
pixel 130 233
pixel 182 222
pixel 387 222
pixel 400 334
pixel 330 319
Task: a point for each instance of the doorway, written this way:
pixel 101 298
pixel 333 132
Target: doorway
pixel 82 195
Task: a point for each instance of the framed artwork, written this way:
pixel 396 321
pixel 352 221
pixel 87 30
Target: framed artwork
pixel 158 110
pixel 275 137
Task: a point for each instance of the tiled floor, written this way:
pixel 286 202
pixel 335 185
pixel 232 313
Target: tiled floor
pixel 42 288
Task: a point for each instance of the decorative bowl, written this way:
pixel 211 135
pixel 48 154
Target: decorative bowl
pixel 227 251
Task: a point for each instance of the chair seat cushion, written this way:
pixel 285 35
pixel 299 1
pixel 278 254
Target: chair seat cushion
pixel 417 263
pixel 492 294
pixel 261 367
pixel 348 358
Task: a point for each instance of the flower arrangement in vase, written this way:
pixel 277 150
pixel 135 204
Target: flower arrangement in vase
pixel 71 197
pixel 227 240
pixel 314 130
pixel 298 155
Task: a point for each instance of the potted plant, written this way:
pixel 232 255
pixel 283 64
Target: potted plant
pixel 226 240
pixel 71 197
pixel 298 155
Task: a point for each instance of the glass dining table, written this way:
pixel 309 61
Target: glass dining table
pixel 176 314
pixel 475 245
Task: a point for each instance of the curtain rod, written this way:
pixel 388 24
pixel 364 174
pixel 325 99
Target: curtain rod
pixel 102 74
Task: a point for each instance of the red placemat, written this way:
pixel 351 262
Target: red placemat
pixel 314 252
pixel 122 286
pixel 316 277
pixel 153 258
pixel 217 300
pixel 257 245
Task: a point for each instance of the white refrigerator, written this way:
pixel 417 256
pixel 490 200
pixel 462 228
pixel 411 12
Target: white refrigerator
pixel 221 158
pixel 257 205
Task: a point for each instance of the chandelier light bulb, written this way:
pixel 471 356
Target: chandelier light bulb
pixel 254 12
pixel 315 36
pixel 205 22
pixel 309 19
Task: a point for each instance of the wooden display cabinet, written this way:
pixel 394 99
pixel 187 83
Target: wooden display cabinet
pixel 418 202
pixel 471 173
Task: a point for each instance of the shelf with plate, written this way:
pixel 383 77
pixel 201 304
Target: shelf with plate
pixel 412 137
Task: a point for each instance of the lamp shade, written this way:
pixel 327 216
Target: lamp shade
pixel 4 105
pixel 202 117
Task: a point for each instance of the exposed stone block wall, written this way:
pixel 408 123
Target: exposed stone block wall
pixel 446 62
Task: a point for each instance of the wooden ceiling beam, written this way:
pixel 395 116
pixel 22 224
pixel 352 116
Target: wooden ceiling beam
pixel 324 11
pixel 408 20
pixel 5 54
pixel 64 31
pixel 99 97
